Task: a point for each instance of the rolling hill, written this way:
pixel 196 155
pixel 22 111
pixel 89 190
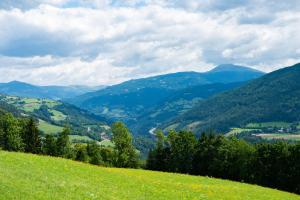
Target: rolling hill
pixel 21 89
pixel 54 115
pixel 26 176
pixel 128 100
pixel 274 97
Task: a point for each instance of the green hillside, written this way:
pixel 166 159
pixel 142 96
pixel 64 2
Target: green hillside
pixel 274 97
pixel 54 115
pixel 25 176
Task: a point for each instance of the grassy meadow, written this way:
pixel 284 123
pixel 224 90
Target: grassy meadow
pixel 48 128
pixel 80 138
pixel 291 137
pixel 26 176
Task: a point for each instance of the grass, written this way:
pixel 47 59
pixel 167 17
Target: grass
pixel 277 136
pixel 49 128
pixel 80 138
pixel 30 104
pixel 269 125
pixel 29 100
pixel 25 176
pixel 57 116
pixel 236 131
pixel 268 136
pixel 49 103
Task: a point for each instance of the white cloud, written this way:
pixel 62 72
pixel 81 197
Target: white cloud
pixel 50 70
pixel 107 41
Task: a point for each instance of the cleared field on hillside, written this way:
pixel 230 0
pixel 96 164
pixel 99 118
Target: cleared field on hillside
pixel 49 128
pixel 269 124
pixel 292 137
pixel 236 131
pixel 80 139
pixel 270 131
pixel 24 176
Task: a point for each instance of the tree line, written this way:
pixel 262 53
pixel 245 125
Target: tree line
pixel 275 165
pixel 22 135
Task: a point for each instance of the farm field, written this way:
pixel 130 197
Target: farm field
pixel 292 137
pixel 236 131
pixel 30 104
pixel 269 131
pixel 269 125
pixel 26 176
pixel 57 115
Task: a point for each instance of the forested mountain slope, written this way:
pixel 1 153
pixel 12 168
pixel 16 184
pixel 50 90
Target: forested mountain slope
pixel 128 100
pixel 273 97
pixel 178 103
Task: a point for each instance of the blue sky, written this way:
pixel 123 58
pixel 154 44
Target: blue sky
pixel 66 42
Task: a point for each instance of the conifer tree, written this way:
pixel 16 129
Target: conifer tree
pixel 49 146
pixel 81 153
pixel 93 150
pixel 31 137
pixel 63 143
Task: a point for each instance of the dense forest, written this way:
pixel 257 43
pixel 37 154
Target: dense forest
pixel 274 165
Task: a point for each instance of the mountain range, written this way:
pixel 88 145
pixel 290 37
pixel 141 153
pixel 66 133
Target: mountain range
pixel 170 94
pixel 22 89
pixel 150 102
pixel 228 96
pixel 273 97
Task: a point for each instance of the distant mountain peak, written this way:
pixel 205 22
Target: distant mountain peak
pixel 232 67
pixel 17 82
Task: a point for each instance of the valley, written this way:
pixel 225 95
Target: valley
pixel 149 100
pixel 232 123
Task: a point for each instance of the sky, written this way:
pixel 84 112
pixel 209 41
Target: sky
pixel 104 42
